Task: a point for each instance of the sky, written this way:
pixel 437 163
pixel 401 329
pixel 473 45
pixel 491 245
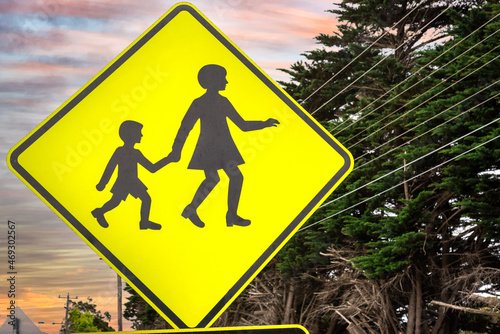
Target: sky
pixel 51 48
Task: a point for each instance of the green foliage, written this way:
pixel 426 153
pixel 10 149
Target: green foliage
pixel 85 317
pixel 468 180
pixel 433 220
pixel 82 322
pixel 386 257
pixel 396 239
pixel 142 315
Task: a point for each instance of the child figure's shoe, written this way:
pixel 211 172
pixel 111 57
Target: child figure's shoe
pixel 146 224
pixel 190 213
pixel 100 217
pixel 234 219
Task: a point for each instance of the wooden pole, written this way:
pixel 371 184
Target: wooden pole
pixel 120 313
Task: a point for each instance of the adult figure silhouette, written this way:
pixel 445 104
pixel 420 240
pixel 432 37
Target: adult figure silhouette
pixel 215 149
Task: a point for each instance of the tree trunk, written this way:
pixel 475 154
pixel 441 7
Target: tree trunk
pixel 410 328
pixel 418 304
pixel 288 306
pixel 331 327
pixel 407 191
pixel 390 318
pixel 444 277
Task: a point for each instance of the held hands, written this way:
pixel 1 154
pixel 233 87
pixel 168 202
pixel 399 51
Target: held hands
pixel 172 157
pixel 165 161
pixel 175 155
pixel 272 122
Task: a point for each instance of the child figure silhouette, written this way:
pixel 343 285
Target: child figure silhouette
pixel 126 158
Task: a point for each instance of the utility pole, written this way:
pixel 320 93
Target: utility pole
pixel 119 301
pixel 66 318
pixel 119 288
pixel 16 325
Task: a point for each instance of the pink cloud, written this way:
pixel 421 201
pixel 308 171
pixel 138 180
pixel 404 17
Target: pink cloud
pixel 275 24
pixel 71 42
pixel 78 8
pixel 311 24
pixel 39 68
pixel 274 64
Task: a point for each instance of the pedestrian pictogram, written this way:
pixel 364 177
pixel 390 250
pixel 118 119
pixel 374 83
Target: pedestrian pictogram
pixel 183 165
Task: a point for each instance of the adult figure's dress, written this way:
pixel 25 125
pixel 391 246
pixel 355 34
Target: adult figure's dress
pixel 215 148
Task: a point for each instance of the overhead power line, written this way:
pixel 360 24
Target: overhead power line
pixel 399 184
pixel 356 58
pixel 425 133
pixel 412 162
pixel 430 89
pixel 431 118
pixel 366 72
pixel 418 71
pixel 409 141
pixel 421 104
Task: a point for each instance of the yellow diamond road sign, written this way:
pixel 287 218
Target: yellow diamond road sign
pixel 183 165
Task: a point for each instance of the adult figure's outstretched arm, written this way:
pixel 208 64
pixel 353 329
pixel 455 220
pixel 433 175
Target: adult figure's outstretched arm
pixel 249 125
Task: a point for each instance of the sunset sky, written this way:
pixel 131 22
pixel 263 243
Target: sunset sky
pixel 51 48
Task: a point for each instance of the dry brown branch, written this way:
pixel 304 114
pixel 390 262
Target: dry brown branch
pixel 490 301
pixel 466 309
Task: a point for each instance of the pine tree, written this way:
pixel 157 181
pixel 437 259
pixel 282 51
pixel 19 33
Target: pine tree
pixel 417 236
pixel 402 26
